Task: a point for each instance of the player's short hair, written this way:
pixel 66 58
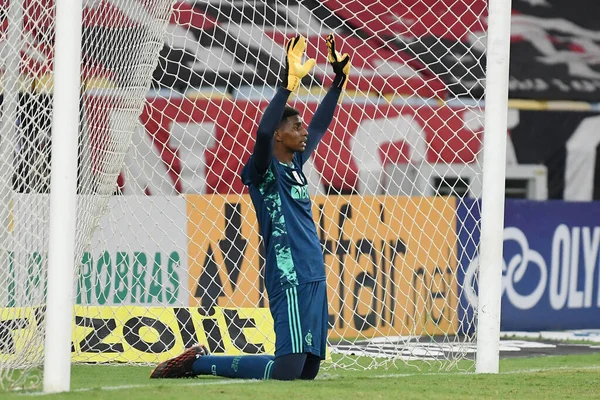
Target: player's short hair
pixel 288 112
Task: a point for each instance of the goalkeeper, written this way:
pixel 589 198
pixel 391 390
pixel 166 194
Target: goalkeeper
pixel 295 272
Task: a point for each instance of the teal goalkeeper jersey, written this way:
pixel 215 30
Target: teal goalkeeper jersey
pixel 283 209
pixel 280 196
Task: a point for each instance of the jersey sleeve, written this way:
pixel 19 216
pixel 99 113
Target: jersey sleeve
pixel 260 160
pixel 263 148
pixel 320 122
pixel 250 174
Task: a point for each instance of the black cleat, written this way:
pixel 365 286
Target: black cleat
pixel 180 366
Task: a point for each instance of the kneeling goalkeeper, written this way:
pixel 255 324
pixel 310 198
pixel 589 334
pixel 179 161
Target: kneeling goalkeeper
pixel 295 272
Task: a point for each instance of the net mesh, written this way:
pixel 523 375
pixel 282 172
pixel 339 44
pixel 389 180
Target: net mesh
pixel 168 248
pixel 120 45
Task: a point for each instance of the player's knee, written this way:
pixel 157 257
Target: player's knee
pixel 311 368
pixel 288 367
pixel 309 375
pixel 285 374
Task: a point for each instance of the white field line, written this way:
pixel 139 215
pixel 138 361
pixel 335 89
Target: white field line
pixel 120 387
pixel 325 376
pixel 516 371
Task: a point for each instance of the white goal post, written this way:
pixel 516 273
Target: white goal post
pixel 63 196
pixel 494 165
pixel 143 241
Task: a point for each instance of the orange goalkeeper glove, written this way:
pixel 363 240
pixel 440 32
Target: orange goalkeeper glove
pixel 340 63
pixel 294 69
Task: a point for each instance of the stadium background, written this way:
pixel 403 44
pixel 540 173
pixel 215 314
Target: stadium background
pixel 554 69
pixel 553 121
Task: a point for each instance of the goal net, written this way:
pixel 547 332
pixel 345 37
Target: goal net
pixel 168 251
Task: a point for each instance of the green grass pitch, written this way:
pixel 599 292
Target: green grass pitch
pixel 547 377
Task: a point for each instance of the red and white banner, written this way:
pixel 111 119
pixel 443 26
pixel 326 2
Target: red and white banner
pixel 200 145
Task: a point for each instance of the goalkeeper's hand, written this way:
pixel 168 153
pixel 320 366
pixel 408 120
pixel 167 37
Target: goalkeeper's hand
pixel 294 69
pixel 340 63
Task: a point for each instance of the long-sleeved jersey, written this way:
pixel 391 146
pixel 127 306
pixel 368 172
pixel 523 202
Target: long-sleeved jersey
pixel 279 193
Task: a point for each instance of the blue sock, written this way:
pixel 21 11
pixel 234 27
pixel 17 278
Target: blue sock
pixel 243 367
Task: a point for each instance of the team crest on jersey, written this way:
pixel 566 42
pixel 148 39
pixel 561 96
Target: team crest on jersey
pixel 308 339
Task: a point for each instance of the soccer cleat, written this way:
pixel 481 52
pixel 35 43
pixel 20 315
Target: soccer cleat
pixel 180 366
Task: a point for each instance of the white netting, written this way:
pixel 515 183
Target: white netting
pixel 177 258
pixel 120 45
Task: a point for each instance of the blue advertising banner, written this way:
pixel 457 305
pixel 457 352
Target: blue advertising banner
pixel 551 271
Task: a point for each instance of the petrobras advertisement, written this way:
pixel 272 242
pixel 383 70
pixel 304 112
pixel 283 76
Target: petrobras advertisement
pixel 551 270
pixel 138 255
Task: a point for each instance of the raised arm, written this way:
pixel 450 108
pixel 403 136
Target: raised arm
pixel 324 114
pixel 321 120
pixel 263 149
pixel 292 74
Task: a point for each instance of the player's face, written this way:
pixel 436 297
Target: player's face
pixel 293 134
